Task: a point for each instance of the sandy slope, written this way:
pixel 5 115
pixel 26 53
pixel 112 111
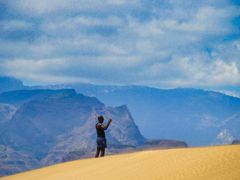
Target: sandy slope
pixel 220 162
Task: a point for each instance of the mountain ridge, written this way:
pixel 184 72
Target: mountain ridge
pixel 46 128
pixel 189 114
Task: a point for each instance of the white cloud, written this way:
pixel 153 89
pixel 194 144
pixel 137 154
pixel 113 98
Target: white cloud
pixel 15 25
pixel 41 70
pixel 191 71
pixel 206 21
pixel 32 65
pixel 225 73
pixel 36 8
pixel 78 25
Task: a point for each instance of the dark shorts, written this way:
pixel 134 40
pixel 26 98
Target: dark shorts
pixel 101 142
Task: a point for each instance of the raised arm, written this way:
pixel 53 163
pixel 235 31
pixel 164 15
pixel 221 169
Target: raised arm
pixel 108 124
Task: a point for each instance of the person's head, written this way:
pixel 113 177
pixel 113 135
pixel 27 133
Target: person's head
pixel 100 119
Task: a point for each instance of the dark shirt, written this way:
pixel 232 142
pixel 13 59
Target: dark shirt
pixel 100 130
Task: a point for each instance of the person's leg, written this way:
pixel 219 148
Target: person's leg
pixel 102 152
pixel 97 152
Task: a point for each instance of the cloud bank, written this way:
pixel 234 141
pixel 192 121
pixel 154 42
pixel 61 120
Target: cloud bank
pixel 157 43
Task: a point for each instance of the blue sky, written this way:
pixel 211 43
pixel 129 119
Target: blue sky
pixel 160 43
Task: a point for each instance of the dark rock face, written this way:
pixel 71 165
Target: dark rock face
pixel 9 84
pixel 48 125
pixel 6 112
pixel 164 143
pixel 236 141
pixel 123 132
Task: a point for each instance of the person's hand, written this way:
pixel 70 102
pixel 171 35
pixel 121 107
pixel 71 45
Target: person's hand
pixel 110 120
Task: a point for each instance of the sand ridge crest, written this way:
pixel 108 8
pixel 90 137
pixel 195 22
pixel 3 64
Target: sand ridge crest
pixel 218 162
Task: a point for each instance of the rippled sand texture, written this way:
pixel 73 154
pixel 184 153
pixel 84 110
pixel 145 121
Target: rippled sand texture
pixel 220 162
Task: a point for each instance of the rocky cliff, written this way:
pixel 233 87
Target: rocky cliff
pixel 47 127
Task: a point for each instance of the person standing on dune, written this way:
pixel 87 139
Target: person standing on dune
pixel 101 138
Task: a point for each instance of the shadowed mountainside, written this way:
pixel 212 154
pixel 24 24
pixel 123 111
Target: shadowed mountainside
pixel 48 124
pixel 51 126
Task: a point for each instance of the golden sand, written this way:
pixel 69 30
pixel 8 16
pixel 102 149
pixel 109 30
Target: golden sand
pixel 219 162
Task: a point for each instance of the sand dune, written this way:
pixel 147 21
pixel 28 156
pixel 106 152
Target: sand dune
pixel 220 162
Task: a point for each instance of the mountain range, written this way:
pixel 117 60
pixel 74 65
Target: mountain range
pixel 42 125
pixel 198 117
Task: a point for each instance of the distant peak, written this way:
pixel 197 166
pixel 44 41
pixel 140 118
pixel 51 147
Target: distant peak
pixel 122 108
pixel 10 83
